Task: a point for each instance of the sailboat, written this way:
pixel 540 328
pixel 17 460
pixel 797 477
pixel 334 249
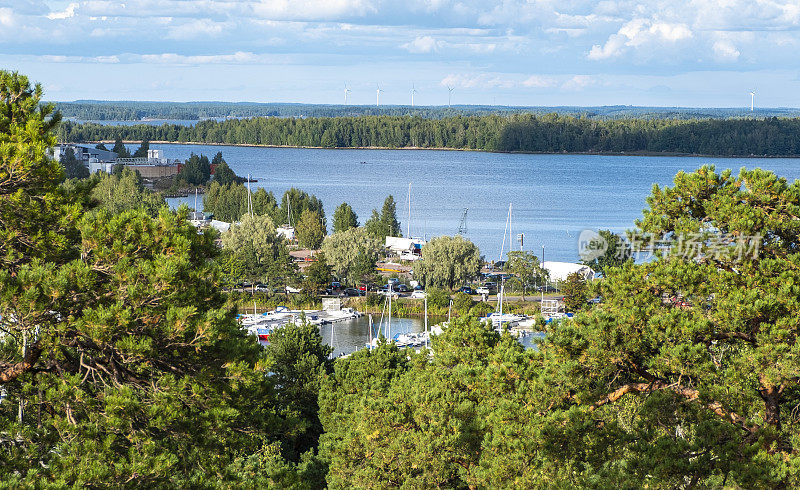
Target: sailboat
pixel 498 318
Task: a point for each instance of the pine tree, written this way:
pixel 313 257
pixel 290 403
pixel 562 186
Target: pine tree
pixel 344 218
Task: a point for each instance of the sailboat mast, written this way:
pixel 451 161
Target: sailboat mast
pixel 389 323
pixel 289 209
pixel 427 335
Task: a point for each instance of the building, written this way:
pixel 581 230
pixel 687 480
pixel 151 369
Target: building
pixel 405 248
pixel 155 166
pixel 559 271
pixel 96 160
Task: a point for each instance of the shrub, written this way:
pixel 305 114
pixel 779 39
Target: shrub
pixel 462 302
pixel 481 309
pixel 438 297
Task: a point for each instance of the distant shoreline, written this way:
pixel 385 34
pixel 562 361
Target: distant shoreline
pixel 598 153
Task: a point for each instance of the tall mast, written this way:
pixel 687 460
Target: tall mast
pixel 506 232
pixel 389 323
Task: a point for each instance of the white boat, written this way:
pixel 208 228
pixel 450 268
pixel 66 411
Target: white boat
pixel 499 319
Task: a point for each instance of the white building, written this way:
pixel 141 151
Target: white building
pixel 560 270
pixel 96 160
pixel 286 232
pixel 405 248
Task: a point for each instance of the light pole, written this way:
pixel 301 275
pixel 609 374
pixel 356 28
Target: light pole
pixel 544 285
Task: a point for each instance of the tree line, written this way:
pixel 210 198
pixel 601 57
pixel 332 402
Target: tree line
pixel 88 110
pixel 550 133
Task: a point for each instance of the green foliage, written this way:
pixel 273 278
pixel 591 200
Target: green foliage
pixel 224 175
pixel 309 230
pixel 73 168
pixel 453 420
pixel 37 219
pixel 462 303
pixel 384 224
pixel 481 309
pixel 125 191
pixel 352 253
pixel 294 202
pixel 141 152
pixel 448 262
pixel 196 170
pixel 229 202
pixel 526 132
pixel 576 292
pixel 317 275
pixel 120 149
pixel 344 218
pixel 438 297
pixel 261 251
pixel 527 269
pixel 135 373
pixel 617 252
pixel 298 361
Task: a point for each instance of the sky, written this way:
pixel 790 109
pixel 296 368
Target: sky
pixel 693 53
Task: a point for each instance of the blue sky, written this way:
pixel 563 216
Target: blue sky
pixel 702 53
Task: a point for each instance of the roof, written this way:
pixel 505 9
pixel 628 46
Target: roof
pixel 560 270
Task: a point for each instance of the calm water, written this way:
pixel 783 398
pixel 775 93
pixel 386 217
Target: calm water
pixel 553 197
pixel 352 335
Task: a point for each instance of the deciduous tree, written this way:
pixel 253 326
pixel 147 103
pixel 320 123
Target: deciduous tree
pixel 448 261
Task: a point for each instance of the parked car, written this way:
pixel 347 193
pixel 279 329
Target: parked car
pixel 484 290
pixel 352 292
pixel 290 289
pixel 262 288
pixel 401 288
pixel 467 290
pixel 491 286
pixel 393 281
pixel 419 294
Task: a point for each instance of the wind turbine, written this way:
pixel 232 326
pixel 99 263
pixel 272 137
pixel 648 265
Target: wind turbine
pixel 378 96
pixel 346 91
pixel 413 91
pixel 752 100
pixel 449 94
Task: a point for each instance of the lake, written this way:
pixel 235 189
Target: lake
pixel 553 197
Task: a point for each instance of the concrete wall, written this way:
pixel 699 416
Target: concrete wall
pixel 154 171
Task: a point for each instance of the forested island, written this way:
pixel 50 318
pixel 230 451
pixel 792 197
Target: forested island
pixel 550 133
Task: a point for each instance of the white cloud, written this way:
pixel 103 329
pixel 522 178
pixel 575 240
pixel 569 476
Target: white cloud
pixel 538 81
pixel 177 59
pixel 422 44
pixel 67 13
pixel 725 51
pixel 194 29
pixel 478 80
pixel 639 32
pixel 579 82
